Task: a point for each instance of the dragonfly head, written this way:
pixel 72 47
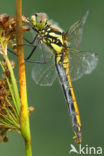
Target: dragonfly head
pixel 39 20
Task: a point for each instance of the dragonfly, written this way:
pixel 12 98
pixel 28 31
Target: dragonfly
pixel 60 59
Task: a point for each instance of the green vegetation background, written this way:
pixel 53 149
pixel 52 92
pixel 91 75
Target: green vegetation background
pixel 50 123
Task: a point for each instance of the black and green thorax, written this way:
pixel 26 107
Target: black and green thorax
pixel 54 38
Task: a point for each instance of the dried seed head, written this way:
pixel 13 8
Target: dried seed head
pixel 2 100
pixel 31 109
pixel 25 28
pixel 3 19
pixel 25 19
pixel 5 139
pixel 7 73
pixel 3 84
pixel 3 91
pixel 4 112
pixel 8 31
pixel 3 134
pixel 7 109
pixel 4 63
pixel 12 63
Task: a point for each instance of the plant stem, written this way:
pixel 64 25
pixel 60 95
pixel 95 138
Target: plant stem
pixel 24 116
pixel 14 85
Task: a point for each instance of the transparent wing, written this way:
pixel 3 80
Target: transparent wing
pixel 44 74
pixel 75 32
pixel 81 63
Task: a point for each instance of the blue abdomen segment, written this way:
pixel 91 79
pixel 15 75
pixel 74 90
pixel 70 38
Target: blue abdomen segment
pixel 70 99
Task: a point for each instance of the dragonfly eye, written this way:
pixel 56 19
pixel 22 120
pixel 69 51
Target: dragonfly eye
pixel 33 20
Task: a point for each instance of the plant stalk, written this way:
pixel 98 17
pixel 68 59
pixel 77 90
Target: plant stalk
pixel 24 115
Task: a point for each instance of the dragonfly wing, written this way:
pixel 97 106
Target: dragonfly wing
pixel 75 32
pixel 81 63
pixel 44 74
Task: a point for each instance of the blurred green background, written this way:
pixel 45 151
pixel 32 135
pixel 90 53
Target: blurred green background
pixel 51 128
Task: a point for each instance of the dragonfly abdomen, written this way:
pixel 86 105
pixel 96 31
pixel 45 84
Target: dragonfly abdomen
pixel 71 100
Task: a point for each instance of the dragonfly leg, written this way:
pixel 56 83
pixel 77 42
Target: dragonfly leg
pixel 38 62
pixel 12 52
pixel 29 56
pixel 31 43
pixel 31 53
pixel 28 42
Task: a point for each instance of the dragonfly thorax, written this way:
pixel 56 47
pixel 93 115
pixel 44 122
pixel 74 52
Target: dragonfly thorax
pixel 54 38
